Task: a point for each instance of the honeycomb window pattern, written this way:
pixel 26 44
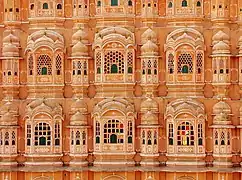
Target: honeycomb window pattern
pixel 113 58
pixel 98 62
pixel 58 64
pixel 42 134
pixel 171 63
pixel 199 62
pixel 31 64
pixel 185 59
pixel 130 62
pixel 44 61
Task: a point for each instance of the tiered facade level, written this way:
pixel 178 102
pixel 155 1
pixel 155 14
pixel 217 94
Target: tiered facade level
pixel 121 90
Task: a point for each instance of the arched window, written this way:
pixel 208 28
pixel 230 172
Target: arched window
pixel 32 6
pixel 78 138
pixel 171 136
pixel 28 135
pixel 130 132
pixel 114 2
pixel 42 134
pixel 149 138
pixel 99 3
pixel 98 132
pixel 184 3
pixel 170 5
pixel 13 138
pixel 113 132
pixel 185 69
pixel 185 134
pixel 44 71
pixel 222 142
pixel 58 65
pixel 114 68
pixel 200 134
pixel 45 6
pixel 113 138
pixel 6 138
pixel 185 64
pixel 44 65
pixel 216 138
pixel 113 62
pixel 198 4
pixel 143 137
pixel 130 3
pixel 83 138
pixel 59 6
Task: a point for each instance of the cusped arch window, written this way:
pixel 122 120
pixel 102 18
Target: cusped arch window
pixel 113 128
pixel 186 127
pixel 198 4
pixel 130 3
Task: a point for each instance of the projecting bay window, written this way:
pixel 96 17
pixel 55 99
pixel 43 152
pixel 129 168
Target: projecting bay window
pixel 8 141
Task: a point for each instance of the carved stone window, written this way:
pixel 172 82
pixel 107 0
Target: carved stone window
pixel 171 134
pixel 58 65
pixel 114 132
pixel 44 65
pixel 185 64
pixel 114 62
pixel 31 65
pixel 42 134
pixel 98 132
pixel 185 134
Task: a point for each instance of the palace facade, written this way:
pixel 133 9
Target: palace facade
pixel 121 90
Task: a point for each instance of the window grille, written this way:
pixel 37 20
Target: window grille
pixel 31 64
pixel 57 134
pixel 228 138
pixel 199 62
pixel 130 132
pixel 98 62
pixel 216 138
pixel 13 138
pixel 83 138
pixel 143 137
pixel 6 138
pixel 44 61
pixel 155 137
pixel 171 134
pixel 149 140
pixel 72 137
pixel 130 62
pixel 113 58
pixel 28 135
pixel 185 64
pixel 171 63
pixel 98 132
pixel 185 134
pixel 42 134
pixel 114 132
pixel 222 142
pixel 78 138
pixel 58 65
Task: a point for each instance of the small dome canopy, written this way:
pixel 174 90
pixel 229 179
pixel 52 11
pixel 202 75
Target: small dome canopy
pixel 9 107
pixel 80 106
pixel 149 48
pixel 149 105
pixel 220 36
pixel 149 118
pixel 10 50
pixel 8 119
pixel 149 34
pixel 79 35
pixel 78 119
pixel 79 49
pixel 221 107
pixel 11 39
pixel 221 48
